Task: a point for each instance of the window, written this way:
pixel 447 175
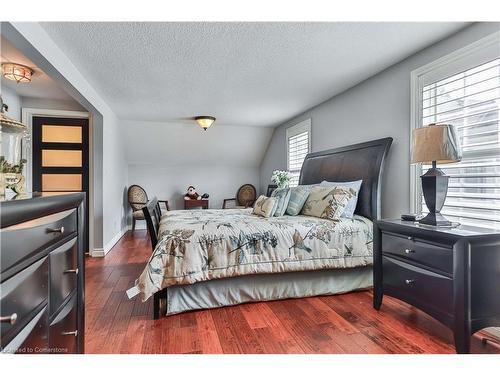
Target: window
pixel 468 97
pixel 298 140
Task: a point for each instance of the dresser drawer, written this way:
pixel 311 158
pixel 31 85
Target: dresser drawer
pixel 33 338
pixel 21 295
pixel 424 289
pixel 432 256
pixel 21 241
pixel 63 273
pixel 63 330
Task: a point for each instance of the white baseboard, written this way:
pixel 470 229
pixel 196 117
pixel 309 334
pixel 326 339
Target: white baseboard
pixel 101 252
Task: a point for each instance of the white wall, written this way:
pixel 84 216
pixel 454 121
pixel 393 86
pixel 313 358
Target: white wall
pixel 165 158
pixel 109 165
pixel 13 101
pixel 45 103
pixel 115 182
pixel 378 107
pixel 171 182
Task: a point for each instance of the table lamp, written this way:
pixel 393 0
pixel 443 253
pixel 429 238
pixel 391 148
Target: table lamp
pixel 436 143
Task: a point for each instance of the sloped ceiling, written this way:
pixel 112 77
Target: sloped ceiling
pixel 41 86
pixel 245 74
pixel 171 144
pixel 251 76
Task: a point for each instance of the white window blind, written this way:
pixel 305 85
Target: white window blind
pixel 298 146
pixel 470 100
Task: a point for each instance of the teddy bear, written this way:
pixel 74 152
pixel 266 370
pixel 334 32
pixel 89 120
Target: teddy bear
pixel 192 194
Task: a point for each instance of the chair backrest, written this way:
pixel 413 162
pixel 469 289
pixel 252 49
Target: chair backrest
pixel 137 197
pixel 152 214
pixel 246 196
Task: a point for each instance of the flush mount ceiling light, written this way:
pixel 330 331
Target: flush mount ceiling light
pixel 205 121
pixel 17 72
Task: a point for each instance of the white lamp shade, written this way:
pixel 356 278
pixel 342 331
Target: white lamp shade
pixel 437 143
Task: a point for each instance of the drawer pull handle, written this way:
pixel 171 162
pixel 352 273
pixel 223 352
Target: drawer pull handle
pixel 409 251
pixel 55 230
pixel 75 271
pixel 70 333
pixel 409 281
pixel 9 319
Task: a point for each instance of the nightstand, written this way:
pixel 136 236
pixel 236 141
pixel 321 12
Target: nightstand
pixel 195 203
pixel 451 274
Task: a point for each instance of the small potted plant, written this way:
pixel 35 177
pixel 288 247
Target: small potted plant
pixel 281 178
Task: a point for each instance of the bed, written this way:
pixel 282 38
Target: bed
pixel 212 258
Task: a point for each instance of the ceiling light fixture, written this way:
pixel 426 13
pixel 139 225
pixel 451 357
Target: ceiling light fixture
pixel 205 121
pixel 17 72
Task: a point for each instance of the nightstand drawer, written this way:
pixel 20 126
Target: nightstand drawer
pixel 432 256
pixel 424 289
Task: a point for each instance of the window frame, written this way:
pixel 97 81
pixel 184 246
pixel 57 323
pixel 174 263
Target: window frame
pixel 474 54
pixel 301 127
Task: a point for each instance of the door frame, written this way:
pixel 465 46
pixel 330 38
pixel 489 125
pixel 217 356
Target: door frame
pixel 27 115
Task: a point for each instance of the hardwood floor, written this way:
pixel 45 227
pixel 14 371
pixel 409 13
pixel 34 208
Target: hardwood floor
pixel 331 324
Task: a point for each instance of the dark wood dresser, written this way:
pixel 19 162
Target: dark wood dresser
pixel 451 274
pixel 42 274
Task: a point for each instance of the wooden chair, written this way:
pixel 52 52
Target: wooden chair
pixel 245 197
pixel 138 198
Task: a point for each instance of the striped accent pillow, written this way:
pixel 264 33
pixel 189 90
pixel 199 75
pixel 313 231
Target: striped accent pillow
pixel 298 196
pixel 283 196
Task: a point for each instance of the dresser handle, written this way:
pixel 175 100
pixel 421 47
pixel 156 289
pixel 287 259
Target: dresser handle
pixel 75 271
pixel 9 319
pixel 409 281
pixel 69 333
pixel 56 230
pixel 409 251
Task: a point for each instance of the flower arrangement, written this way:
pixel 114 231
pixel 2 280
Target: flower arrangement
pixel 281 178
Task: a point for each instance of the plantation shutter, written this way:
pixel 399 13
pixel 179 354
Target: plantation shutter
pixel 470 101
pixel 298 146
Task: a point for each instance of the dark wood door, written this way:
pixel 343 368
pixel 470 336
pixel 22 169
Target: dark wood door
pixel 61 157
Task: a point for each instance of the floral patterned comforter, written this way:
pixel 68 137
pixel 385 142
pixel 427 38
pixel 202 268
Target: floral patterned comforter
pixel 199 245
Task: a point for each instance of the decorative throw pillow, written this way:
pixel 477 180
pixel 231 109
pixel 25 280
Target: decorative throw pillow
pixel 327 202
pixel 351 205
pixel 282 196
pixel 298 196
pixel 265 206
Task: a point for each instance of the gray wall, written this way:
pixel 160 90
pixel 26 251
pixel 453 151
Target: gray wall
pixel 375 108
pixel 46 103
pixel 165 158
pixel 171 182
pixel 13 100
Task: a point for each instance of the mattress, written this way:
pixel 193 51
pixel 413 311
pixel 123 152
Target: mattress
pixel 201 245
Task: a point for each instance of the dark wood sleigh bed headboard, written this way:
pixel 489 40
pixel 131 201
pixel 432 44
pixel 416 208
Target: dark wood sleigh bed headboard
pixel 362 161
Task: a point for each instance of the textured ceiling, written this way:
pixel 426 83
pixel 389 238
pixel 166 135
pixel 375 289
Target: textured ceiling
pixel 41 85
pixel 257 74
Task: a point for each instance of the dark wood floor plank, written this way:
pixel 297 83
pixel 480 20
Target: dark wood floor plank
pixel 327 324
